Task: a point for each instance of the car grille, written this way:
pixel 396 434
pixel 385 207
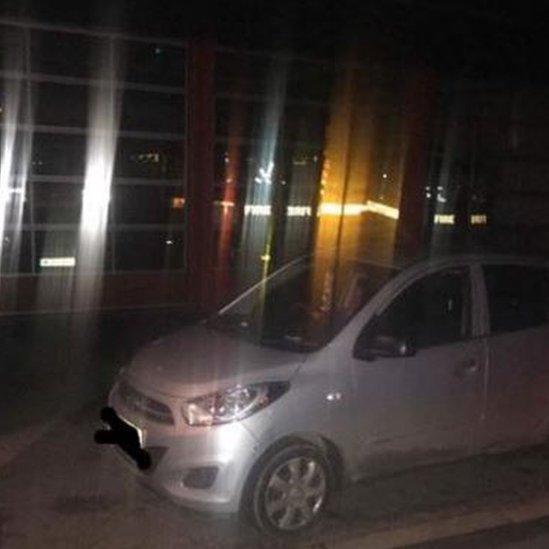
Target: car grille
pixel 148 407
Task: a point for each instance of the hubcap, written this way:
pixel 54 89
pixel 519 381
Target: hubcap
pixel 295 493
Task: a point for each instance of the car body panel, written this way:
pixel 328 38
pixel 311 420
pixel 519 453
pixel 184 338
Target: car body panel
pixel 197 360
pixel 418 409
pixel 517 391
pixel 383 415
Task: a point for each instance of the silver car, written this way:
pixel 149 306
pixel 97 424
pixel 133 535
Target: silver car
pixel 329 371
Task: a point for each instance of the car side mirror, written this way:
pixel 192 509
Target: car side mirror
pixel 383 346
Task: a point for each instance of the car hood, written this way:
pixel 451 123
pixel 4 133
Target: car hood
pixel 198 360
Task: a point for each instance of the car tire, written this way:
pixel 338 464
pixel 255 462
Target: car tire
pixel 289 489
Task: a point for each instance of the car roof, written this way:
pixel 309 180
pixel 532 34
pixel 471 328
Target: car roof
pixel 401 263
pixel 486 258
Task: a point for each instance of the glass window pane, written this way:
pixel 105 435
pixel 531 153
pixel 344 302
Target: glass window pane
pixel 154 159
pixel 16 252
pixel 244 74
pixel 140 204
pixel 310 81
pixel 433 311
pixel 149 250
pixel 12 98
pixel 63 53
pixel 57 202
pixel 255 74
pixel 15 201
pixel 58 154
pixel 17 206
pixel 60 105
pixel 157 112
pixel 154 63
pixel 304 124
pixel 55 251
pixel 295 167
pixel 235 118
pixel 12 47
pixel 234 165
pixel 518 297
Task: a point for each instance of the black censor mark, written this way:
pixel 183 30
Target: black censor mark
pixel 123 435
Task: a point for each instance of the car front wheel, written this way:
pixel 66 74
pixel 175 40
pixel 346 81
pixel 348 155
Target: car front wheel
pixel 291 490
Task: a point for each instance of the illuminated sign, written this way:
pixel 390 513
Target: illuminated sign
pixel 479 219
pixel 257 209
pixel 356 208
pixel 299 211
pixel 444 219
pixel 450 219
pixel 57 262
pixel 326 208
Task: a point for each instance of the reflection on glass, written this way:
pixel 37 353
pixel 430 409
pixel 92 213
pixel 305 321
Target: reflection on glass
pixel 15 151
pixel 149 159
pixel 148 204
pixel 55 252
pixel 60 105
pixel 153 112
pixel 154 63
pixel 63 53
pixel 257 232
pixel 16 252
pixel 149 250
pixel 96 195
pixel 58 154
pixel 57 202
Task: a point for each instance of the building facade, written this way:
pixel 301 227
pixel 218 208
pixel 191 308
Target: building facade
pixel 140 172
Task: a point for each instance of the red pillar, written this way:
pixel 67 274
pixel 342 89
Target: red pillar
pixel 200 138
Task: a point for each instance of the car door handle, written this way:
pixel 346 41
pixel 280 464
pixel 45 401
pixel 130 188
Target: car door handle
pixel 467 368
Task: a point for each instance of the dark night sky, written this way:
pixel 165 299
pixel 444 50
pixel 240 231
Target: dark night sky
pixel 479 39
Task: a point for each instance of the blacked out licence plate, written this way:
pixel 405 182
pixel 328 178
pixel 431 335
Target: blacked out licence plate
pixel 126 436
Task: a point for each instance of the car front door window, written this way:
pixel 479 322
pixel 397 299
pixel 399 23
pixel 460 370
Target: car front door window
pixel 434 310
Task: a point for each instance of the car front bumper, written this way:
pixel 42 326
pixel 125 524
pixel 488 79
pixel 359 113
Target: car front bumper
pixel 201 467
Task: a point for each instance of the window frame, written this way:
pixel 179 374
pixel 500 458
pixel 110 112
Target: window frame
pixel 40 73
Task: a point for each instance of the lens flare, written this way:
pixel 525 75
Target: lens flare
pixel 100 158
pixel 257 225
pixel 15 154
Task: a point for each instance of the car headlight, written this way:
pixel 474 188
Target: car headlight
pixel 231 405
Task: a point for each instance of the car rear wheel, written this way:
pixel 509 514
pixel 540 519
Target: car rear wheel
pixel 291 490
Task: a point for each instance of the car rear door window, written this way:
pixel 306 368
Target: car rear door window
pixel 517 297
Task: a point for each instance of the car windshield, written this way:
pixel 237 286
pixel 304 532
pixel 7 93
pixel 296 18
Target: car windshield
pixel 303 306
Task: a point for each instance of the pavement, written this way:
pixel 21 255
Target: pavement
pixel 51 364
pixel 527 535
pixel 59 489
